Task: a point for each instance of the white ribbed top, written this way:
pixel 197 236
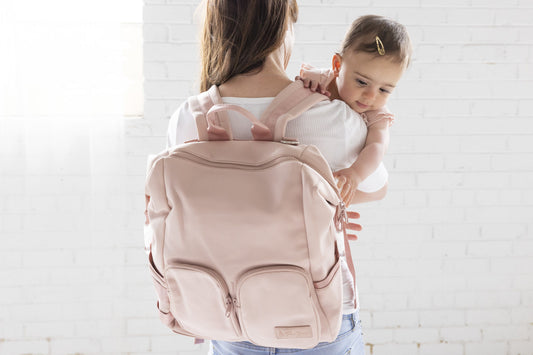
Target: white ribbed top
pixel 337 131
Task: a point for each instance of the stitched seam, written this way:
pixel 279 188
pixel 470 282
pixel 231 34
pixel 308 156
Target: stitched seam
pixel 165 225
pixel 308 251
pixel 305 222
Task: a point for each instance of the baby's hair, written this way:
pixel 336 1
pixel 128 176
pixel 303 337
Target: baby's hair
pixel 377 34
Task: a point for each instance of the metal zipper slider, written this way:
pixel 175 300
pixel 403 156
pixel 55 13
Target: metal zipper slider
pixel 289 141
pixel 340 216
pixel 229 306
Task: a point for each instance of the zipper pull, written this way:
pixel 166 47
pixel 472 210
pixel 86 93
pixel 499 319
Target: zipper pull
pixel 229 305
pixel 340 216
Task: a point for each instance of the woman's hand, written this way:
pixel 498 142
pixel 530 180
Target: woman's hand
pixel 352 227
pixel 314 86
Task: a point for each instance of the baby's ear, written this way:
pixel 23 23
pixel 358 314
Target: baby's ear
pixel 336 62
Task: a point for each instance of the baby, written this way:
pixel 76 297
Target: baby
pixel 375 53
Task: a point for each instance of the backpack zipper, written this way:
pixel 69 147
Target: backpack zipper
pixel 231 305
pixel 199 159
pixel 340 216
pixel 228 300
pixel 202 160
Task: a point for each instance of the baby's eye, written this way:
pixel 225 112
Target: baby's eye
pixel 384 91
pixel 361 82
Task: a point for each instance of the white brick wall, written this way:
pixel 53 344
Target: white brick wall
pixel 445 262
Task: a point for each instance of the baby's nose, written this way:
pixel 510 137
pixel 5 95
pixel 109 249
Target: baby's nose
pixel 369 95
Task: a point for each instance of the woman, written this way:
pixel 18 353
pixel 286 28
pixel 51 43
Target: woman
pixel 246 46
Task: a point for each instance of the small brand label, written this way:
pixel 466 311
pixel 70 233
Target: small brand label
pixel 303 331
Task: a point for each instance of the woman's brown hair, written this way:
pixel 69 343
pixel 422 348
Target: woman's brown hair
pixel 238 36
pixel 393 38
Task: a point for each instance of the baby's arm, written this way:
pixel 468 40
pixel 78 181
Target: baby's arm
pixel 367 162
pixel 361 197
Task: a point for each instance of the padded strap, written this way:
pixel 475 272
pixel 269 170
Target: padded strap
pixel 200 105
pixel 287 105
pixel 297 110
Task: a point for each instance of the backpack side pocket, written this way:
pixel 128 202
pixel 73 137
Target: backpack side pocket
pixel 163 302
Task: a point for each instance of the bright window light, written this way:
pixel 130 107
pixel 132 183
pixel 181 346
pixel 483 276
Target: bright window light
pixel 71 58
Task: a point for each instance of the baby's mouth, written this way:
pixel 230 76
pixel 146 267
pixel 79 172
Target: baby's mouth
pixel 361 105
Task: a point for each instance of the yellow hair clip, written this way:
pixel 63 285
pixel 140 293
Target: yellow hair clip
pixel 381 47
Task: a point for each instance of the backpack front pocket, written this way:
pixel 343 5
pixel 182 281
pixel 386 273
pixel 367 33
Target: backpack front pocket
pixel 200 301
pixel 284 315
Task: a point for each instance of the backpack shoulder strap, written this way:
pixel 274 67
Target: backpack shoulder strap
pixel 200 105
pixel 287 105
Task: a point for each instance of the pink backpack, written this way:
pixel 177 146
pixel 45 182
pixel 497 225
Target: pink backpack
pixel 245 232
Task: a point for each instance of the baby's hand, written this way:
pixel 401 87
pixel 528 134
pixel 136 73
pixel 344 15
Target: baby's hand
pixel 373 116
pixel 347 182
pixel 314 86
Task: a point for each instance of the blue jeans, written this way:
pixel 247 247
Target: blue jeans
pixel 349 341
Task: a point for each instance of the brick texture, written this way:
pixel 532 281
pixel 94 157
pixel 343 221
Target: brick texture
pixel 445 261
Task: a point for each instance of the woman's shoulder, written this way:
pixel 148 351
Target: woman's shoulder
pixel 178 115
pixel 181 126
pixel 335 109
pixel 333 106
pixel 329 118
pixel 183 109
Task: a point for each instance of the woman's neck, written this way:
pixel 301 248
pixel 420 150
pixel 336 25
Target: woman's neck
pixel 267 82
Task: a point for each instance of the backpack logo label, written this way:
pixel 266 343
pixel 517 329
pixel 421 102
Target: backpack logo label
pixel 304 331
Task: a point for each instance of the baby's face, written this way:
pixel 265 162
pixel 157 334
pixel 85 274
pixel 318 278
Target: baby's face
pixel 365 80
